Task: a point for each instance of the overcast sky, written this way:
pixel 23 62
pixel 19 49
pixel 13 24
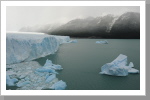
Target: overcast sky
pixel 17 17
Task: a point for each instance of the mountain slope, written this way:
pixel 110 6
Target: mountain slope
pixel 124 26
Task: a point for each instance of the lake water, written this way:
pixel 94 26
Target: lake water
pixel 82 63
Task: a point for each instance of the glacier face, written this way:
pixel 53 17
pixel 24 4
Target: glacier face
pixel 25 47
pixel 118 67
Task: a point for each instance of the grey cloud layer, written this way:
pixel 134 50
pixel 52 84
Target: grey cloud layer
pixel 17 17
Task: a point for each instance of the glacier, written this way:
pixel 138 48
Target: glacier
pixel 102 42
pixel 24 76
pixel 24 46
pixel 118 67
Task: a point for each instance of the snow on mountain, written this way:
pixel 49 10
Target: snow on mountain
pixel 25 47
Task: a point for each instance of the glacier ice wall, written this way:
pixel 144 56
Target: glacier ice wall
pixel 25 47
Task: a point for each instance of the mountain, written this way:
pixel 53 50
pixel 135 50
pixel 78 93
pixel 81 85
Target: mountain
pixel 98 27
pixel 126 25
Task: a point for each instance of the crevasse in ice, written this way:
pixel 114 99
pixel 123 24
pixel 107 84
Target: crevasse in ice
pixel 26 47
pixel 118 67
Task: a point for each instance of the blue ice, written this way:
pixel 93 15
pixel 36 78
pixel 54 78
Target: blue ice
pixel 21 84
pixel 10 82
pixel 50 78
pixel 118 67
pixel 60 85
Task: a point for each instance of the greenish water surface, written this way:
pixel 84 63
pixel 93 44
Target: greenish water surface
pixel 82 63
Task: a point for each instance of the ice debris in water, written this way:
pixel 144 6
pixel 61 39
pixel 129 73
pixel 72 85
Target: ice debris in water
pixel 48 67
pixel 10 82
pixel 73 41
pixel 31 75
pixel 118 67
pixel 60 85
pixel 20 84
pixel 50 78
pixel 102 42
pixel 49 64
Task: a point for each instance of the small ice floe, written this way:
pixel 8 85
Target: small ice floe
pixel 60 85
pixel 10 72
pixel 21 84
pixel 73 41
pixel 45 69
pixel 118 67
pixel 49 64
pixel 11 82
pixel 102 42
pixel 50 78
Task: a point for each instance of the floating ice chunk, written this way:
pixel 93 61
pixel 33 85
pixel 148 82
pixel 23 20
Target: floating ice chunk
pixel 50 78
pixel 102 42
pixel 39 88
pixel 56 67
pixel 60 85
pixel 21 84
pixel 49 64
pixel 10 72
pixel 10 82
pixel 131 64
pixel 22 76
pixel 118 71
pixel 118 67
pixel 27 78
pixel 45 69
pixel 73 41
pixel 132 70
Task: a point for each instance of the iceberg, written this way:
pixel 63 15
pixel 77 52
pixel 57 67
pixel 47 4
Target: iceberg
pixel 73 41
pixel 118 67
pixel 60 85
pixel 49 64
pixel 11 82
pixel 48 67
pixel 26 47
pixel 102 42
pixel 44 69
